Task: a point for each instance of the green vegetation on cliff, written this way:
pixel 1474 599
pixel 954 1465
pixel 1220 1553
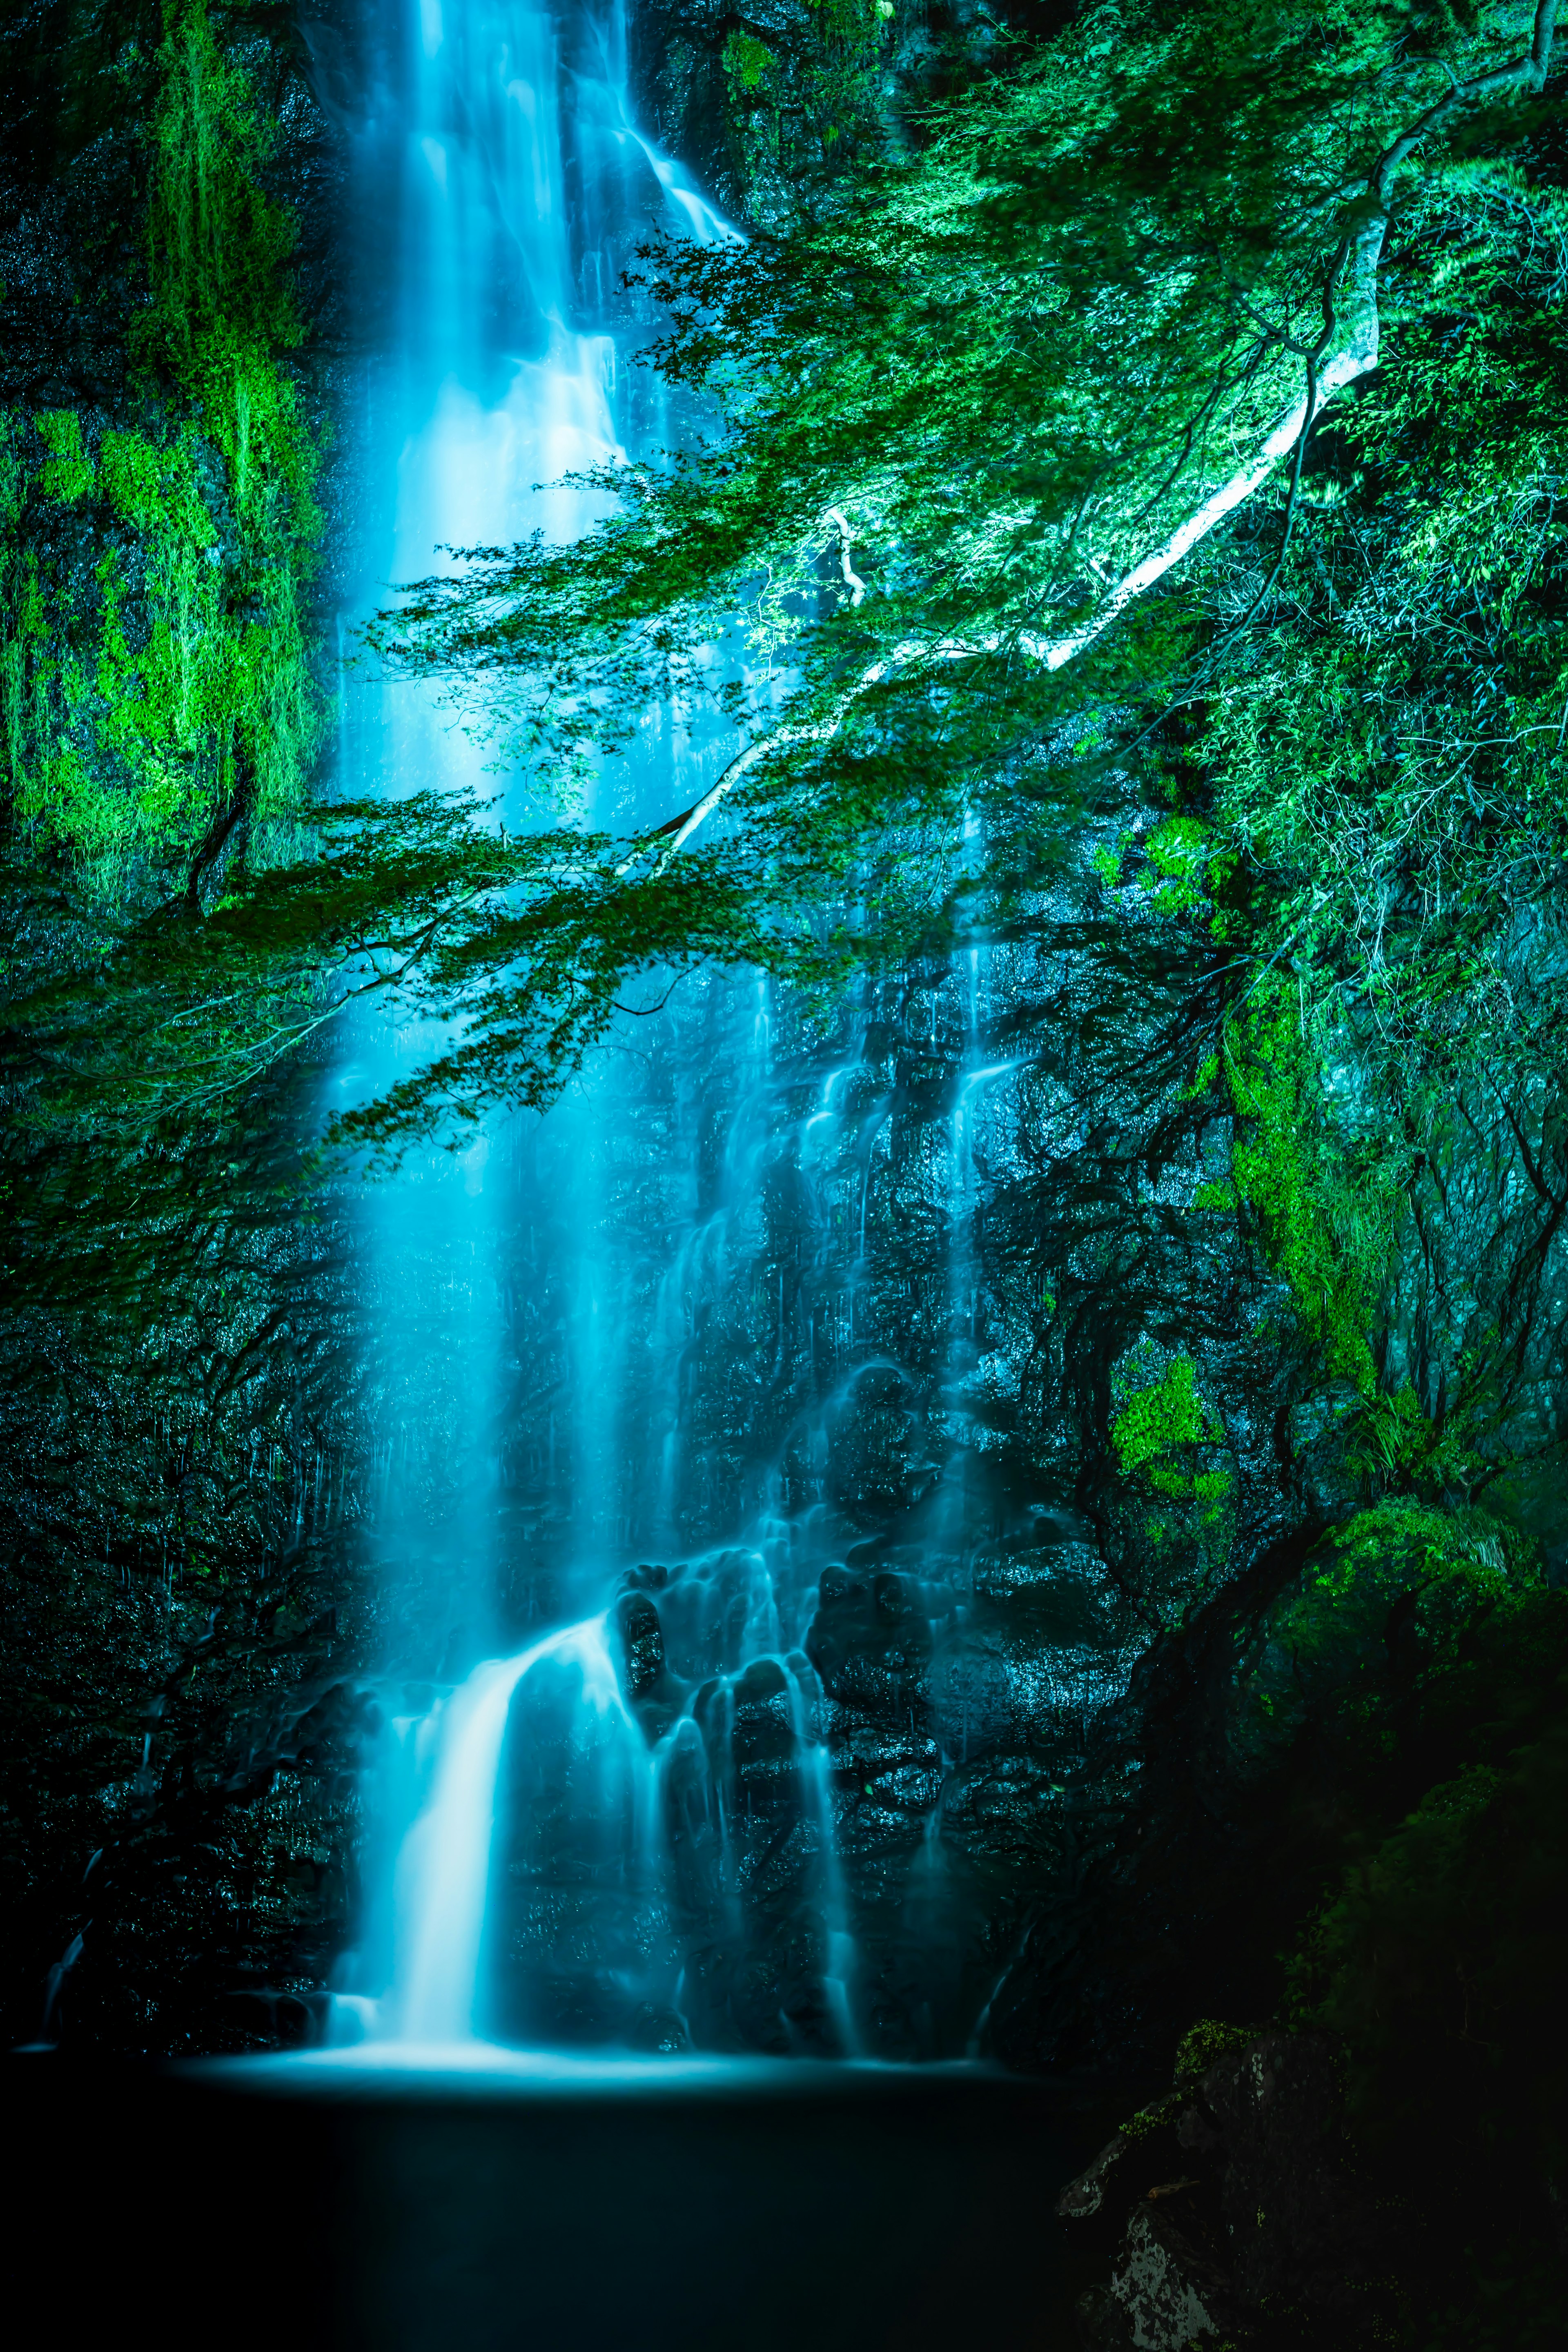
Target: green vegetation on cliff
pixel 175 1321
pixel 157 687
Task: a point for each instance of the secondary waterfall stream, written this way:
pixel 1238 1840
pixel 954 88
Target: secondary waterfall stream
pixel 679 1499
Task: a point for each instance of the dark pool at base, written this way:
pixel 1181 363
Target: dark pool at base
pixel 756 2208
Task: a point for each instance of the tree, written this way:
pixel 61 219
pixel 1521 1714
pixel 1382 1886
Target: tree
pixel 971 427
pixel 1024 377
pixel 976 438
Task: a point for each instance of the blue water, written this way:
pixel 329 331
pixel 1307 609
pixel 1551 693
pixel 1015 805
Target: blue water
pixel 545 2205
pixel 601 1387
pixel 515 180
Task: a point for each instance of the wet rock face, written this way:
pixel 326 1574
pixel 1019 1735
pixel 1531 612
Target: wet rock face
pixel 871 1643
pixel 642 1647
pixel 183 1723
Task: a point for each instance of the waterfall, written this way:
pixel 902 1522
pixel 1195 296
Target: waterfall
pixel 504 382
pixel 516 180
pixel 672 1500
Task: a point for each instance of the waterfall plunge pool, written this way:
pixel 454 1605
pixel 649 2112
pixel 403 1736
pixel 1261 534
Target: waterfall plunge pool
pixel 484 2199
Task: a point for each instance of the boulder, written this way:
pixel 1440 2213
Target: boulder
pixel 1166 2289
pixel 1238 2199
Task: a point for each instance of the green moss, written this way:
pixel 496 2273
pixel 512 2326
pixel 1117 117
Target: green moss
pixel 1156 1434
pixel 1201 2047
pixel 746 60
pixel 156 488
pixel 1212 1489
pixel 1400 1547
pixel 1204 2044
pixel 1219 1196
pixel 1167 1415
pixel 826 88
pixel 1178 851
pixel 68 472
pixel 1203 1078
pixel 222 310
pixel 1398 1590
pixel 13 469
pixel 1328 1232
pixel 181 678
pixel 1154 2117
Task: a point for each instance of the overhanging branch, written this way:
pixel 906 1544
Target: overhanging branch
pixel 1346 351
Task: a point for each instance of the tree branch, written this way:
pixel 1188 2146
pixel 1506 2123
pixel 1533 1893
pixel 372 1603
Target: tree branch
pixel 1337 360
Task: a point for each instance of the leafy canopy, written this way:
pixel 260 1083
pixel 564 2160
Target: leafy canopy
pixel 950 531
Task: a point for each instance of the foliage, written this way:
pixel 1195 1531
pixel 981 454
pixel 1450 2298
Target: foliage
pixel 987 368
pixel 1023 351
pixel 946 416
pixel 1398 1446
pixel 1387 757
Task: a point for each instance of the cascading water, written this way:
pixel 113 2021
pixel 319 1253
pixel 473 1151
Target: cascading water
pixel 505 135
pixel 679 1501
pixel 444 1867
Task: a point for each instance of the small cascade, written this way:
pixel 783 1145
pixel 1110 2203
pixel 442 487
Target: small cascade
pixel 640 1805
pixel 444 1869
pixel 815 1769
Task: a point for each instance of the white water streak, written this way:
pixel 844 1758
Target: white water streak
pixel 444 1869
